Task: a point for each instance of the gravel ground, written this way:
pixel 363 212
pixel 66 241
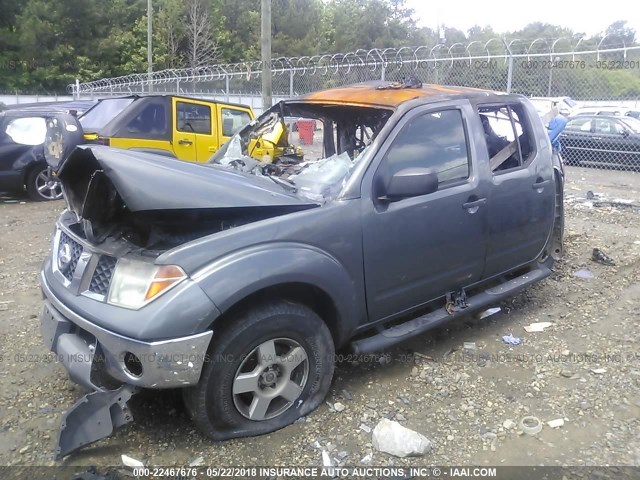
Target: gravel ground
pixel 584 368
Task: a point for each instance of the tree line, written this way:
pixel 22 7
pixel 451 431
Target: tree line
pixel 47 44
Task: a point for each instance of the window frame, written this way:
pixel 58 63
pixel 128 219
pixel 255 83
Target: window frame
pixel 587 119
pixel 402 123
pixel 233 109
pixel 527 129
pixel 119 126
pixel 194 104
pixel 613 122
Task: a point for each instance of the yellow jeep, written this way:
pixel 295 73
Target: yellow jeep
pixel 180 127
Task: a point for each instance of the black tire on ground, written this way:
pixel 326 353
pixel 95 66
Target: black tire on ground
pixel 38 177
pixel 239 372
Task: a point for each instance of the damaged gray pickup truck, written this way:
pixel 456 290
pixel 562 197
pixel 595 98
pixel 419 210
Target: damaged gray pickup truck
pixel 237 280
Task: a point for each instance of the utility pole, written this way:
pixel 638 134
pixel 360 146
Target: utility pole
pixel 266 54
pixel 149 41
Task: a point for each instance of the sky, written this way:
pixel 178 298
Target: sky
pixel 509 15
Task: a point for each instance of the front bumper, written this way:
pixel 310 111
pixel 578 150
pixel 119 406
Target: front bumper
pixel 89 351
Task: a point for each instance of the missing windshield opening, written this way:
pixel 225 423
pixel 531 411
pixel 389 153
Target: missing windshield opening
pixel 308 149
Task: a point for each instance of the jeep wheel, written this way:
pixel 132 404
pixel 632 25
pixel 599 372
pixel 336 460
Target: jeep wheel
pixel 268 367
pixel 42 185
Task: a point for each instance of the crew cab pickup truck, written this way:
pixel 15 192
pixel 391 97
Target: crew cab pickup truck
pixel 429 202
pixel 184 128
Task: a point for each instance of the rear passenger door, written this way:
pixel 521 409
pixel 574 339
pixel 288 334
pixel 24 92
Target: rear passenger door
pixel 193 134
pixel 522 192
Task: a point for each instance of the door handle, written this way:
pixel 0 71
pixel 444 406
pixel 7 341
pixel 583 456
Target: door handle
pixel 185 142
pixel 540 184
pixel 474 205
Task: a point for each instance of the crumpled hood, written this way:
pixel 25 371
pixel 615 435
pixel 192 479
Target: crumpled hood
pixel 147 182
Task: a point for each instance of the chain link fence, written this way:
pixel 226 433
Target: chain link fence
pixel 602 84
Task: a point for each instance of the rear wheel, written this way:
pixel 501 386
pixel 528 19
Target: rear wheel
pixel 42 185
pixel 268 367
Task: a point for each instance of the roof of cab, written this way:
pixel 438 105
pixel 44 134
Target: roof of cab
pixel 389 95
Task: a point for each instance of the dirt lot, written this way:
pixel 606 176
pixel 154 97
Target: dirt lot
pixel 584 368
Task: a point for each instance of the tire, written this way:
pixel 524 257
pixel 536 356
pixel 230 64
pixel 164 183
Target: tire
pixel 41 186
pixel 229 401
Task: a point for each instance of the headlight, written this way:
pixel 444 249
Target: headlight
pixel 136 283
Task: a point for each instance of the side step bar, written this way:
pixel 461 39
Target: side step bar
pixel 416 326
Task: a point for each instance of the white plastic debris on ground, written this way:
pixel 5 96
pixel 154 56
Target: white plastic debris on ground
pixel 391 437
pixel 488 312
pixel 537 327
pixel 557 423
pixel 131 462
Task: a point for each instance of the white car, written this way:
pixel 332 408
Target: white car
pixel 614 110
pixel 565 105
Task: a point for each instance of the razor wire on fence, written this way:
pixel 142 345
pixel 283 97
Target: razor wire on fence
pixel 605 76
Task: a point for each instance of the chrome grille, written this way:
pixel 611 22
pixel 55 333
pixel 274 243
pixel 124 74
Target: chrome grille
pixel 67 269
pixel 102 275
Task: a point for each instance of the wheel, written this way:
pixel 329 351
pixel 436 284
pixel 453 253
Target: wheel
pixel 43 186
pixel 268 367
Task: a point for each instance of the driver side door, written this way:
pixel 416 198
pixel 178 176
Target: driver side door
pixel 417 249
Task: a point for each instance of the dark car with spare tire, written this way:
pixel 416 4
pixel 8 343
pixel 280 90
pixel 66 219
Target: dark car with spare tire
pixel 23 167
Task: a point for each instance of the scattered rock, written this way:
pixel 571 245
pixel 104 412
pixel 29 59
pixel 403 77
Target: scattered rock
pixel 338 407
pixel 365 428
pixel 509 424
pixel 557 423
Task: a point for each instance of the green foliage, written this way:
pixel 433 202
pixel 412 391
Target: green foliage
pixel 46 44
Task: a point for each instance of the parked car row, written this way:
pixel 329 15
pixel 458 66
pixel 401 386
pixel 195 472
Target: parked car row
pixel 603 136
pixel 168 125
pixel 602 141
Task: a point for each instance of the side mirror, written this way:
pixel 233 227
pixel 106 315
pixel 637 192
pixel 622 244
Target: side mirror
pixel 411 182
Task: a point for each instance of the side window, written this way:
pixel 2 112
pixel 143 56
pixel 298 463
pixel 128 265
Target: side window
pixel 607 126
pixel 26 130
pixel 151 120
pixel 435 140
pixel 579 124
pixel 507 137
pixel 233 120
pixel 193 118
